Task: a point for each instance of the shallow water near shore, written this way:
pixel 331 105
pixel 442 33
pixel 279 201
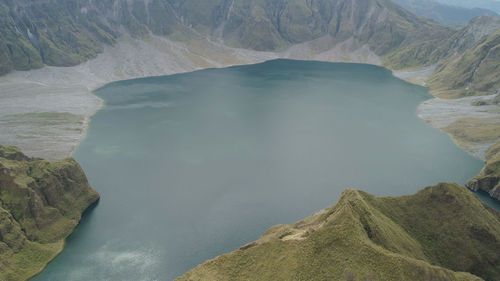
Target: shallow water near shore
pixel 194 165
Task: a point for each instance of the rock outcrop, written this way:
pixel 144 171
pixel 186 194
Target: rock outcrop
pixel 489 178
pixel 41 203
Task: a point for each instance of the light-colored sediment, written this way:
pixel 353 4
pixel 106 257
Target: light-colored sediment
pixel 46 111
pixel 418 76
pixel 441 113
pixel 325 49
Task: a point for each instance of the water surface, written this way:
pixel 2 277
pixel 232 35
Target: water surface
pixel 194 165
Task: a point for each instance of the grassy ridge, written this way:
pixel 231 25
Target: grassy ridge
pixel 432 235
pixel 40 204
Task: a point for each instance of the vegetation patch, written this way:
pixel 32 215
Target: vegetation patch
pixel 475 130
pixel 41 203
pixel 436 234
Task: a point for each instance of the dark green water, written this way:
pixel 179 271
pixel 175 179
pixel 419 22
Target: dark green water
pixel 195 165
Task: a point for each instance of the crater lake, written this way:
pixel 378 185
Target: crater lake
pixel 194 165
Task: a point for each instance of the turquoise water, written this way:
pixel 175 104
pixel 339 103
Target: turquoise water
pixel 194 165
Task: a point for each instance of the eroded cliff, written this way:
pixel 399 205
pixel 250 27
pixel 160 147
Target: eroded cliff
pixel 41 203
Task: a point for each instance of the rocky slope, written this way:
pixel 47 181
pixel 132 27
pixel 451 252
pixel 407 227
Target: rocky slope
pixel 50 32
pixel 489 178
pixel 473 68
pixel 66 33
pixel 34 33
pixel 435 234
pixel 160 37
pixel 276 25
pixel 469 75
pixel 40 204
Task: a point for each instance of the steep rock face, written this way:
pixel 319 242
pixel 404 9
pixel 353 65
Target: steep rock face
pixel 40 204
pixel 34 33
pixel 66 33
pixel 402 39
pixel 272 25
pixel 473 67
pixel 471 33
pixel 432 235
pixel 489 178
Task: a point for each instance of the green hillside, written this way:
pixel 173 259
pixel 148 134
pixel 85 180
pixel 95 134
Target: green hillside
pixel 473 72
pixel 432 235
pixel 33 33
pixel 40 204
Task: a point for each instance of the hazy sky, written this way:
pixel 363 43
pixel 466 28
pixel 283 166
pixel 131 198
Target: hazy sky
pixel 487 4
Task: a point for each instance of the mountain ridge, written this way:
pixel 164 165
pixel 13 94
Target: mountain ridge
pixel 83 27
pixel 362 237
pixel 400 39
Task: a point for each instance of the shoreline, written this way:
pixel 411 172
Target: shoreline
pixel 62 243
pixel 46 112
pixel 86 123
pixel 440 113
pixel 443 113
pixel 87 78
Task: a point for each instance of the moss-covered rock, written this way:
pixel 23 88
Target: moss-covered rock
pixel 441 233
pixel 41 203
pixel 489 178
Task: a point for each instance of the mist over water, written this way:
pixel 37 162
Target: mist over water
pixel 194 165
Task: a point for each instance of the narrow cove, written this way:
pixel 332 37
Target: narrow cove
pixel 194 165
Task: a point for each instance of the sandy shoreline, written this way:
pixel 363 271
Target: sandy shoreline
pixel 46 112
pixel 440 113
